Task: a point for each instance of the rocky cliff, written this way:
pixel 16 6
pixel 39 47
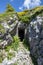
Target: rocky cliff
pixel 8 28
pixel 35 38
pixel 31 21
pixel 34 34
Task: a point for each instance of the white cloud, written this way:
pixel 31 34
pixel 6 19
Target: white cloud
pixel 21 8
pixel 30 3
pixel 27 4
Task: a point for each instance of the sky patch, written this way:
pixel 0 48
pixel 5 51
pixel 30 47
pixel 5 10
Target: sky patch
pixel 20 5
pixel 30 4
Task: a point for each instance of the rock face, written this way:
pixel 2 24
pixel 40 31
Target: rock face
pixel 9 27
pixel 3 44
pixel 21 57
pixel 6 41
pixel 35 38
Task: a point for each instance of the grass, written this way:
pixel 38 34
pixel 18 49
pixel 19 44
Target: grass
pixel 16 63
pixel 27 16
pixel 24 16
pixel 4 15
pixel 10 55
pixel 14 45
pixel 2 30
pixel 1 59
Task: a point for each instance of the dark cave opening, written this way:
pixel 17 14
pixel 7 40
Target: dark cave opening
pixel 21 33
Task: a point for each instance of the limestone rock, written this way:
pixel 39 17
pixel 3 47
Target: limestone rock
pixel 3 44
pixel 35 38
pixel 9 25
pixel 22 57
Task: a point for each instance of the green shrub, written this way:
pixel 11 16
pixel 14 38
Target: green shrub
pixel 9 8
pixel 26 44
pixel 9 55
pixel 30 14
pixel 1 59
pixel 15 43
pixel 2 30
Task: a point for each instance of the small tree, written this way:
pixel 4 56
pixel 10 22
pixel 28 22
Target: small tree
pixel 9 8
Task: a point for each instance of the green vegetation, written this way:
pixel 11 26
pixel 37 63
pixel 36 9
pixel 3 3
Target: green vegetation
pixel 27 16
pixel 10 11
pixel 14 45
pixel 10 55
pixel 26 44
pixel 1 56
pixel 15 63
pixel 9 8
pixel 5 16
pixel 2 30
pixel 1 59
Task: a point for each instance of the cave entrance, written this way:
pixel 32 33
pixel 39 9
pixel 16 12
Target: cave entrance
pixel 21 33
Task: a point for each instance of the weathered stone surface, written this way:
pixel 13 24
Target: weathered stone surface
pixel 9 26
pixel 1 35
pixel 8 38
pixel 35 38
pixel 21 25
pixel 21 57
pixel 3 44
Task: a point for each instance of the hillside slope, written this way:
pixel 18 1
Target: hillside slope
pixel 27 15
pixel 13 51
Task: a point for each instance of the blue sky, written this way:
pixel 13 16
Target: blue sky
pixel 20 5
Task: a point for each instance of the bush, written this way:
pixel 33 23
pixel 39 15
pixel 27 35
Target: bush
pixel 10 55
pixel 9 8
pixel 2 30
pixel 15 43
